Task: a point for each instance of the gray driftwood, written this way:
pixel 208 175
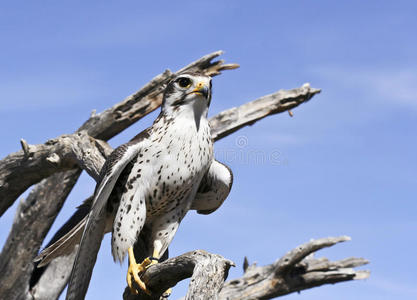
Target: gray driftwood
pixel 57 164
pixel 207 271
pixel 32 221
pixel 295 271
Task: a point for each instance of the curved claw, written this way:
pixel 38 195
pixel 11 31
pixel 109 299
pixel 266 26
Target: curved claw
pixel 134 271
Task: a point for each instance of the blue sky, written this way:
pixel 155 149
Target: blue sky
pixel 347 162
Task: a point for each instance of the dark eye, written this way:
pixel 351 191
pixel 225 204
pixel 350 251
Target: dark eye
pixel 184 82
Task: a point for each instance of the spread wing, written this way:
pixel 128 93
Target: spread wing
pixel 96 220
pixel 214 188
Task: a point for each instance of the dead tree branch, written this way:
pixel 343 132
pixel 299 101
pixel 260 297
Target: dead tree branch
pixel 233 119
pixel 33 219
pixel 36 162
pixel 294 272
pixel 54 279
pixel 207 271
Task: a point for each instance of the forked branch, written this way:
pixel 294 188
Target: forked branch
pixel 297 270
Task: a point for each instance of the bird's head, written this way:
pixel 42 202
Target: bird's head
pixel 188 91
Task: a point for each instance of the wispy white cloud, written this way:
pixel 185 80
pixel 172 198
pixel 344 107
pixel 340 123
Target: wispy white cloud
pixel 394 287
pixel 385 85
pixel 400 86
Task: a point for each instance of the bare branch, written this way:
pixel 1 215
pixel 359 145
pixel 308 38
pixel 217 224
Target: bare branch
pixel 294 272
pixel 33 219
pixel 207 271
pixel 89 153
pixel 25 147
pixel 117 118
pixel 235 118
pixel 23 168
pixel 296 255
pixel 54 279
pixel 257 282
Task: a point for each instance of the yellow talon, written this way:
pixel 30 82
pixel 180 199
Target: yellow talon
pixel 135 269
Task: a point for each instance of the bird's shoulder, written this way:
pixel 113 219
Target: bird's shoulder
pixel 119 154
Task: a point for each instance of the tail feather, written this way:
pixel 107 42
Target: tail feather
pixel 64 246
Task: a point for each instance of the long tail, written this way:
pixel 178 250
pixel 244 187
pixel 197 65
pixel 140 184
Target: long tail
pixel 63 246
pixel 67 237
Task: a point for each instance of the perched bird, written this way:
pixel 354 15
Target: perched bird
pixel 152 181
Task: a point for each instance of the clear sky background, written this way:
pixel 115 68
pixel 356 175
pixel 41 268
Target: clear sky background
pixel 347 159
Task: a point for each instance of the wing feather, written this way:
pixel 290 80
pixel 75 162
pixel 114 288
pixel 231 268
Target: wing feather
pixel 214 188
pixel 96 220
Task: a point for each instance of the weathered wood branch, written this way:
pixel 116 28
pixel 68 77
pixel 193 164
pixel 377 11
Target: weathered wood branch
pixel 117 118
pixel 36 162
pixel 31 224
pixel 112 121
pixel 235 118
pixel 294 272
pixel 54 279
pixel 207 271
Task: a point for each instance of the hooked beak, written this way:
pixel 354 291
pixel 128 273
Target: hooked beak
pixel 201 89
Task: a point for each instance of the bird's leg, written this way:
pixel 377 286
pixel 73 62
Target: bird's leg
pixel 155 259
pixel 136 269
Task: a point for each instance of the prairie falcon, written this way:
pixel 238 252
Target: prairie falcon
pixel 152 180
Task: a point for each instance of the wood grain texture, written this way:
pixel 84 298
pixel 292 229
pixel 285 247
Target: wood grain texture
pixel 233 119
pixel 33 219
pixel 295 271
